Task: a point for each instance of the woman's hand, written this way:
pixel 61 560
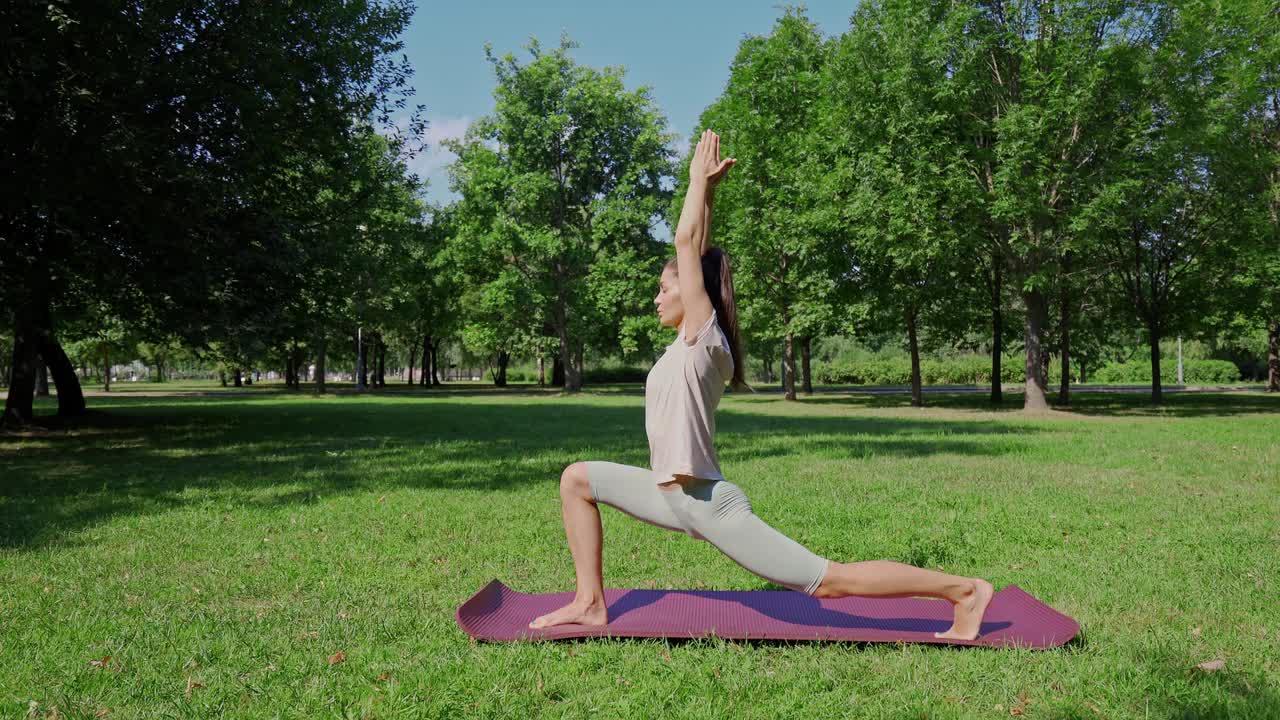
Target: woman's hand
pixel 706 166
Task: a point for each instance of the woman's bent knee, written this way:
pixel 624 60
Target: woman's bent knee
pixel 574 481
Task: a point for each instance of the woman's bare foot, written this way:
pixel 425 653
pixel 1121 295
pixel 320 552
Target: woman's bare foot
pixel 969 612
pixel 577 612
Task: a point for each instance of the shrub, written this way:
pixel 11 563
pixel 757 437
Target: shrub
pixel 606 375
pixel 1194 372
pixel 971 370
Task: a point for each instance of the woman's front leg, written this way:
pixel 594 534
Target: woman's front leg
pixel 586 538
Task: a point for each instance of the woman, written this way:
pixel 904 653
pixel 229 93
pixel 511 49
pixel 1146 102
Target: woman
pixel 685 491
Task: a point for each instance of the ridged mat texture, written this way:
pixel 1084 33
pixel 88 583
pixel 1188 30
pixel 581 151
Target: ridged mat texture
pixel 1013 619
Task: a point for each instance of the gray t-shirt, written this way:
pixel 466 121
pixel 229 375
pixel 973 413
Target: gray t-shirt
pixel 681 394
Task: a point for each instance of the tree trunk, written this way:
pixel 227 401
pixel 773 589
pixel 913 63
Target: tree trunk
pixel 413 358
pixel 321 346
pixel 1083 376
pixel 288 368
pixel 913 341
pixel 805 349
pixel 70 396
pixel 789 366
pixel 542 372
pixel 42 378
pixel 435 363
pixel 501 379
pixel 381 349
pixel 1273 358
pixel 1037 320
pixel 579 367
pixel 18 405
pixel 362 359
pixel 1157 392
pixel 235 373
pixel 426 360
pixel 222 377
pixel 997 333
pixel 34 349
pixel 557 371
pixel 1064 351
pixel 299 372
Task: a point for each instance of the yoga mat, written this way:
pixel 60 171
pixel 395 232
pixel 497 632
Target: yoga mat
pixel 1013 619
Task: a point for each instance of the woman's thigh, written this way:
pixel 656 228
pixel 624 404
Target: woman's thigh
pixel 720 513
pixel 634 491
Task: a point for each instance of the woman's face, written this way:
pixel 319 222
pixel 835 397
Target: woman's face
pixel 670 308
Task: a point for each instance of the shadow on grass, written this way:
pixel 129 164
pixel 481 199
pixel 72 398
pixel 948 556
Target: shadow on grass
pixel 147 455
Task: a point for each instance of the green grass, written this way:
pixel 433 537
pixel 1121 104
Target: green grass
pixel 221 549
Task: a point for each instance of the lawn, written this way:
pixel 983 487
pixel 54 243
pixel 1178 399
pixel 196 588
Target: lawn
pixel 278 555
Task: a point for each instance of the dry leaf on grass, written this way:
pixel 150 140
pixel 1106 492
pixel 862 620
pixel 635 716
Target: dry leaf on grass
pixel 100 663
pixel 337 657
pixel 192 684
pixel 1212 665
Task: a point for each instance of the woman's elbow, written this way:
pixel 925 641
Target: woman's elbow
pixel 685 236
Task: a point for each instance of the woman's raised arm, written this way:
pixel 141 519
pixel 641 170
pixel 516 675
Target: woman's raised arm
pixel 693 231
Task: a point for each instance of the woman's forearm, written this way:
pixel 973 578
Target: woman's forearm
pixel 693 216
pixel 709 200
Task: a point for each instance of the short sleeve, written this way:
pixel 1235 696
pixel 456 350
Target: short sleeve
pixel 710 354
pixel 703 332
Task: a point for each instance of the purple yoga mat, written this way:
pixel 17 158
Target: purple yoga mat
pixel 1014 617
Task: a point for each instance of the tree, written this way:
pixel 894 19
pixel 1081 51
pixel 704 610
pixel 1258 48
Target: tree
pixel 768 216
pixel 567 171
pixel 1170 199
pixel 1046 79
pixel 1250 31
pixel 122 169
pixel 903 197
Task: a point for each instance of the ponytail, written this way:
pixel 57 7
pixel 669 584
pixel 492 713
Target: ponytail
pixel 717 278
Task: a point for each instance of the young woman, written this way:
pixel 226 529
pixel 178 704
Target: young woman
pixel 684 490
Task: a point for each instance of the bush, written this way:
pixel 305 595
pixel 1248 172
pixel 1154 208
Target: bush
pixel 1194 372
pixel 607 375
pixel 972 370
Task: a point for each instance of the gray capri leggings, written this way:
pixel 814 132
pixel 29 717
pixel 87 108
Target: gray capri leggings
pixel 713 510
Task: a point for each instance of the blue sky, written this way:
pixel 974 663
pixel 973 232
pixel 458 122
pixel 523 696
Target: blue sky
pixel 680 49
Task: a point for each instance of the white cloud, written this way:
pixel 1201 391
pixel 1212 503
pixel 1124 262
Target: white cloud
pixel 430 163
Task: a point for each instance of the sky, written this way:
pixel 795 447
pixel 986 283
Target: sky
pixel 682 50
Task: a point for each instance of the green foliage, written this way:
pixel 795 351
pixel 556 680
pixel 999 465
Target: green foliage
pixel 974 370
pixel 560 187
pixel 1194 372
pixel 767 214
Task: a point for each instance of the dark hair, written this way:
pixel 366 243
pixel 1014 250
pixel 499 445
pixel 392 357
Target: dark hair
pixel 718 281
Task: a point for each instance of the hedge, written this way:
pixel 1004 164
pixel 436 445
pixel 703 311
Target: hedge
pixel 977 371
pixel 974 370
pixel 1194 372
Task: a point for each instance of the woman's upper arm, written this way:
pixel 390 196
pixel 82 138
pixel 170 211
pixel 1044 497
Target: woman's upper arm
pixel 697 306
